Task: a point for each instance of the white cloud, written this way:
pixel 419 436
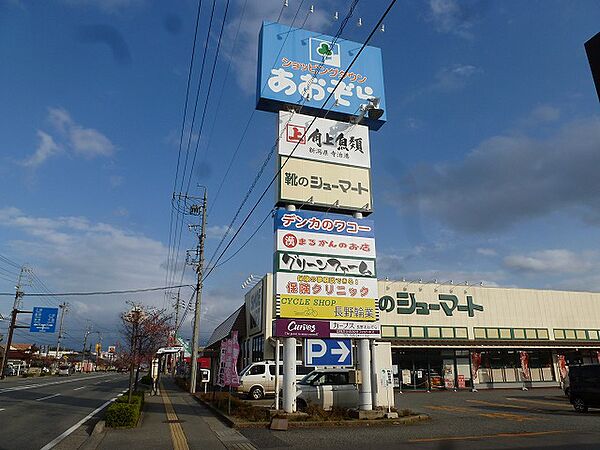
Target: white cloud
pixel 69 136
pixel 508 179
pixel 452 16
pixel 74 254
pixel 86 142
pixel 45 149
pixel 487 251
pixel 244 56
pixel 108 6
pixel 115 181
pixel 550 261
pixel 216 231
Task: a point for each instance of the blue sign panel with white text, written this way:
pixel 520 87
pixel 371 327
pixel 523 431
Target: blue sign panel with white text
pixel 301 67
pixel 43 320
pixel 328 352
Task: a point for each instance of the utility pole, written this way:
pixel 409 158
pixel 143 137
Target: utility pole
pixel 85 337
pixel 200 273
pixel 64 308
pixel 13 322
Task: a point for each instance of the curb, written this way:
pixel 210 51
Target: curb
pixel 231 422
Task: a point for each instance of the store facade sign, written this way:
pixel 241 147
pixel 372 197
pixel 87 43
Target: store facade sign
pixel 301 67
pixel 324 140
pixel 254 308
pixel 331 285
pixel 324 244
pixel 302 328
pixel 415 303
pixel 325 265
pixel 325 185
pixel 327 223
pixel 328 308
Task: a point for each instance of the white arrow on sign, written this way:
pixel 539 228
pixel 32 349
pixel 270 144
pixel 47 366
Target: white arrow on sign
pixel 343 351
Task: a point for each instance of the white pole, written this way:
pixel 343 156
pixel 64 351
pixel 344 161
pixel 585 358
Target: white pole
pixel 289 365
pixel 364 363
pixel 277 360
pixel 289 375
pixel 365 400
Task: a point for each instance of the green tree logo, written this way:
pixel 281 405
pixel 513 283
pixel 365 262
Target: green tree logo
pixel 324 50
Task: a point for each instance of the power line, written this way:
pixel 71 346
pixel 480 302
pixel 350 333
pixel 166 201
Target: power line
pixel 185 107
pixel 127 291
pixel 178 225
pixel 273 148
pixel 306 131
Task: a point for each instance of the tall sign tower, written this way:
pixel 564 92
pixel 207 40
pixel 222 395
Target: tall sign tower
pixel 328 93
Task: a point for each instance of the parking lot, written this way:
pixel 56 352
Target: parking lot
pixel 490 419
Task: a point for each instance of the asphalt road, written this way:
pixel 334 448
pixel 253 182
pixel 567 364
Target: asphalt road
pixel 35 411
pixel 495 419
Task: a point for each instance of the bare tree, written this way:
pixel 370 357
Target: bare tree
pixel 144 330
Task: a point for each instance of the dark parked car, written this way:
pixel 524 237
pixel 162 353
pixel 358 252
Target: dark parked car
pixel 584 387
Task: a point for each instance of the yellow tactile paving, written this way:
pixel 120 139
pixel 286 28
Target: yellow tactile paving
pixel 177 434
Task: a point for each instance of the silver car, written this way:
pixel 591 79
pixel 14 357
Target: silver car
pixel 327 388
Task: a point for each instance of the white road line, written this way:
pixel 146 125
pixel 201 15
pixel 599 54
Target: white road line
pixel 31 386
pixel 81 387
pixel 2 409
pixel 58 439
pixel 47 397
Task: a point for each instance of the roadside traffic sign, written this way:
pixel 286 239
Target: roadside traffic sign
pixel 328 352
pixel 43 320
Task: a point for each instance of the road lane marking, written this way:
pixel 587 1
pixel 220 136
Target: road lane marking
pixel 80 387
pixel 499 415
pixel 509 416
pixel 31 386
pixel 177 435
pixel 487 436
pixel 54 442
pixel 450 408
pixel 2 409
pixel 541 402
pixel 47 397
pixel 502 405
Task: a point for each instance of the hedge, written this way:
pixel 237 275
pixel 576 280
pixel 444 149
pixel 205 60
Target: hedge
pixel 147 380
pixel 122 414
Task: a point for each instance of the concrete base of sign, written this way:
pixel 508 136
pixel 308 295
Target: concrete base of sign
pixel 367 414
pixel 391 415
pixel 279 424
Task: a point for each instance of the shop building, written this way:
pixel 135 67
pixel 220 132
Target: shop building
pixel 451 336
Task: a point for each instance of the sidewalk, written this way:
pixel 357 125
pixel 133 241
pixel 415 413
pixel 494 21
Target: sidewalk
pixel 174 420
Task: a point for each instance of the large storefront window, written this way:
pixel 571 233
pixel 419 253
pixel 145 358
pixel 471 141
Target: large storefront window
pixel 258 343
pixel 504 366
pixel 430 369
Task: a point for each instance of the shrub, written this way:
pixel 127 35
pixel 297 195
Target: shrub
pixel 121 414
pixel 136 398
pixel 147 380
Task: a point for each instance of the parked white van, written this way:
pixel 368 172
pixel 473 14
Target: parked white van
pixel 327 388
pixel 258 379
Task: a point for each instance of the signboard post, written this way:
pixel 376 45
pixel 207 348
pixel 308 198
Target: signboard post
pixel 325 281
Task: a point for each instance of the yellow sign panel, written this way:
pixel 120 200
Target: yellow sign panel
pixel 333 186
pixel 329 308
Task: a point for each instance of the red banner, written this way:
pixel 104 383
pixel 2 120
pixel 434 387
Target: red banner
pixel 525 365
pixel 475 364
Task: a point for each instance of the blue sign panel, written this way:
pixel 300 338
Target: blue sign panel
pixel 301 67
pixel 328 352
pixel 43 320
pixel 338 224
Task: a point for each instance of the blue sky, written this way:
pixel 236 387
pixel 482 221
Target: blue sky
pixel 485 170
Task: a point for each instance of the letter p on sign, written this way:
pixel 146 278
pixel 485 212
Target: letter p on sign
pixel 316 349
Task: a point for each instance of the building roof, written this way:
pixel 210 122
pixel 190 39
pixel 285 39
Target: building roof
pixel 225 328
pixel 21 347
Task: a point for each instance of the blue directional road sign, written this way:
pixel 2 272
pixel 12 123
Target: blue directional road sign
pixel 43 320
pixel 328 352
